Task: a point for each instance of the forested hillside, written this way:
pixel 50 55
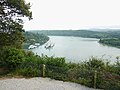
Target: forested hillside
pixel 111 42
pixel 32 38
pixel 81 33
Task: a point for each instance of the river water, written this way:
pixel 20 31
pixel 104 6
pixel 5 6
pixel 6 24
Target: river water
pixel 77 49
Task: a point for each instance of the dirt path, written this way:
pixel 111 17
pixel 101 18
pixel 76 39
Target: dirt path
pixel 39 84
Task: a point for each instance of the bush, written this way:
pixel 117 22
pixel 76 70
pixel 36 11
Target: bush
pixel 28 72
pixel 108 76
pixel 95 64
pixel 30 67
pixel 11 57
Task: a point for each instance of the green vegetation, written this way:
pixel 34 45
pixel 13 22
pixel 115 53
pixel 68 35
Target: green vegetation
pixel 11 57
pixel 15 61
pixel 11 23
pixel 32 38
pixel 81 33
pixel 11 29
pixel 107 75
pixel 111 42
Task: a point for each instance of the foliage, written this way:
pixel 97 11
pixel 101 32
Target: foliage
pixel 94 64
pixel 111 42
pixel 32 38
pixel 28 72
pixel 108 76
pixel 32 66
pixel 81 33
pixel 56 68
pixel 11 57
pixel 11 26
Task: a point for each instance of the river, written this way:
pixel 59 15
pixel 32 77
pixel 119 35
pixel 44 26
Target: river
pixel 77 49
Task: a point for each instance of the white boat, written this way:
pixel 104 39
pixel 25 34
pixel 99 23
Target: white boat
pixel 37 44
pixel 32 46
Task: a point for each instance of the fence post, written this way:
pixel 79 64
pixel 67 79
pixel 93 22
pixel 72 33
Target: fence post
pixel 43 71
pixel 95 77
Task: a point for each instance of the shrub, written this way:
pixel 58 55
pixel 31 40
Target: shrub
pixel 95 64
pixel 28 72
pixel 11 57
pixel 108 76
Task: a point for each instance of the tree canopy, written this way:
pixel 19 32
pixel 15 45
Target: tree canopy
pixel 11 22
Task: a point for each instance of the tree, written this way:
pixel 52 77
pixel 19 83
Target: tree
pixel 11 22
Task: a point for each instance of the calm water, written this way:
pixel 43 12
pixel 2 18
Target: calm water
pixel 77 49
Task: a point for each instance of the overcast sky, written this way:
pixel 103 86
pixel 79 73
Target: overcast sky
pixel 73 14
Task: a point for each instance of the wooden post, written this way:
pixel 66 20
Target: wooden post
pixel 43 72
pixel 95 77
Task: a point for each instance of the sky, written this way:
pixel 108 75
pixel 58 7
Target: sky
pixel 73 14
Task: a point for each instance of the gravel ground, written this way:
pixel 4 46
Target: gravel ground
pixel 39 84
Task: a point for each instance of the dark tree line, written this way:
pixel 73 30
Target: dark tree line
pixel 81 33
pixel 111 42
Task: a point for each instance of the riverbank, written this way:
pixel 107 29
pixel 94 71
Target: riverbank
pixel 39 84
pixel 33 40
pixel 114 42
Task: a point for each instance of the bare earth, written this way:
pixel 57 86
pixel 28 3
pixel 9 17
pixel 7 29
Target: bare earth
pixel 39 84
